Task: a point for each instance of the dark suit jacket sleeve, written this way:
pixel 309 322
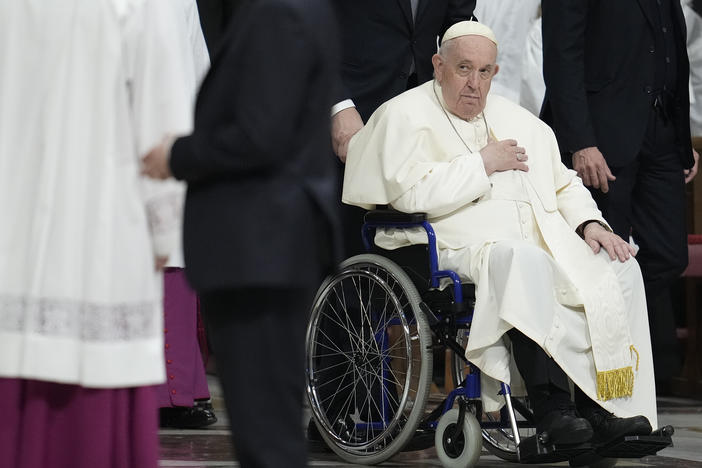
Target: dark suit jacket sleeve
pixel 458 10
pixel 341 91
pixel 563 26
pixel 265 115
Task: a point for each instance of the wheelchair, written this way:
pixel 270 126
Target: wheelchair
pixel 372 330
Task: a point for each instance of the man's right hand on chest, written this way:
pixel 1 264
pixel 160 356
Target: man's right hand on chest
pixel 504 155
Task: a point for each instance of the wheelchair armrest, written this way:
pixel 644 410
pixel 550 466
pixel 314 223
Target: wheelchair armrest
pixel 393 216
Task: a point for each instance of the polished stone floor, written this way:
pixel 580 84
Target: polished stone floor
pixel 211 447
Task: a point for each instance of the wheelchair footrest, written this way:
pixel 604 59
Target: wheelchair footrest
pixel 627 447
pixel 638 446
pixel 531 450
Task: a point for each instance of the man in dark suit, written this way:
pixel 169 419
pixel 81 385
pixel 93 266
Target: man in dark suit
pixel 259 214
pixel 617 98
pixel 387 47
pixel 214 17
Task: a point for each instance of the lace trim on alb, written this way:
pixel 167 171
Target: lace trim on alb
pixel 79 320
pixel 164 212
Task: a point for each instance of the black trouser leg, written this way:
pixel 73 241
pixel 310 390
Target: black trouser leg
pixel 546 383
pixel 258 337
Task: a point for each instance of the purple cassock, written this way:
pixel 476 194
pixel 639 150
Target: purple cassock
pixel 56 425
pixel 185 372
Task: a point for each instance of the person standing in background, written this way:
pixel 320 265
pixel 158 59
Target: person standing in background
pixel 617 98
pixel 511 21
pixel 184 399
pixel 533 88
pixel 86 88
pixel 214 17
pixel 260 223
pixel 387 47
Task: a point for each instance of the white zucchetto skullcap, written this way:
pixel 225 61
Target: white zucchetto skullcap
pixel 468 28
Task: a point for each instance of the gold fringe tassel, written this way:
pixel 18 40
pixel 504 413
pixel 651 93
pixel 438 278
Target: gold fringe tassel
pixel 615 383
pixel 632 348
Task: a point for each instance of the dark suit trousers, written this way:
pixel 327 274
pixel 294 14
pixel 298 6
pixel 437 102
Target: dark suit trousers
pixel 258 337
pixel 648 201
pixel 547 385
pixel 539 371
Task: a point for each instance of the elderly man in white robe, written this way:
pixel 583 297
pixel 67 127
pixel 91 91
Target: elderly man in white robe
pixel 508 216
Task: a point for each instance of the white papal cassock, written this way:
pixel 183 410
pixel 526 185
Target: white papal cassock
pixel 513 234
pixel 80 301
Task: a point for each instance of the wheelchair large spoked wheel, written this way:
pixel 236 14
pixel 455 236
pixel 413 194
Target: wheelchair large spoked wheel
pixel 369 362
pixel 499 439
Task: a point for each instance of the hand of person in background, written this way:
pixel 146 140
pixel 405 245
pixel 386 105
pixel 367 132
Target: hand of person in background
pixel 155 163
pixel 592 168
pixel 598 237
pixel 345 124
pixel 160 262
pixel 692 172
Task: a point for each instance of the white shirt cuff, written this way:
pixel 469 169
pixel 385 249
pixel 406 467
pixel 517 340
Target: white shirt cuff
pixel 339 106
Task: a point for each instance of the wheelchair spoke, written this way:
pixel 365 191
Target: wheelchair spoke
pixel 362 310
pixel 344 405
pixel 335 351
pixel 338 391
pixel 352 333
pixel 382 321
pixel 392 283
pixel 328 355
pixel 342 299
pixel 333 347
pixel 349 325
pixel 329 368
pixel 368 399
pixel 372 331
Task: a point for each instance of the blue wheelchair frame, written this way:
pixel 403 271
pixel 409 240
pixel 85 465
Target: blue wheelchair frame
pixel 470 387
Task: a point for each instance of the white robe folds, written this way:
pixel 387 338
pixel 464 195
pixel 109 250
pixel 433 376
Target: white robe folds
pixel 513 234
pixel 86 88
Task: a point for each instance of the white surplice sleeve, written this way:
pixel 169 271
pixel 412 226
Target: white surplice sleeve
pixel 162 81
pixel 201 57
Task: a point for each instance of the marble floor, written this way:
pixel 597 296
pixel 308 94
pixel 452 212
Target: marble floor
pixel 210 447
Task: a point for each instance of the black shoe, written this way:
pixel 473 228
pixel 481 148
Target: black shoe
pixel 607 427
pixel 562 426
pixel 183 417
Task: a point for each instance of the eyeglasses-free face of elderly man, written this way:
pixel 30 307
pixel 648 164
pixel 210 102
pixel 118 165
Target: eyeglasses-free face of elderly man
pixel 464 67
